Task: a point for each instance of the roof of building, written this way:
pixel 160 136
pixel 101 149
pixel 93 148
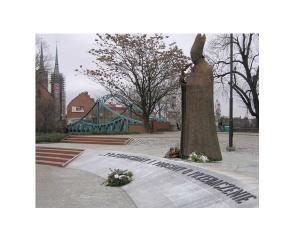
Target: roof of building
pixel 85 93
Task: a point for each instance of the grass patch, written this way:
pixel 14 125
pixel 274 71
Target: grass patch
pixel 54 137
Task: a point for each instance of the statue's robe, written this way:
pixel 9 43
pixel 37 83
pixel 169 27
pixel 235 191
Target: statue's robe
pixel 199 127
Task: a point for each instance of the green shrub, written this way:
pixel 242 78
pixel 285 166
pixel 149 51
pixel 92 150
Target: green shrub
pixel 49 137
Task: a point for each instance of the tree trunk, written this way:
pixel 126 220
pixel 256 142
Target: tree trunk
pixel 257 121
pixel 183 109
pixel 147 124
pixel 256 107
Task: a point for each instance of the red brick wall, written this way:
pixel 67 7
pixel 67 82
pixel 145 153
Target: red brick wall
pixel 156 126
pixel 82 99
pixel 160 126
pixel 136 128
pixel 45 121
pixel 44 94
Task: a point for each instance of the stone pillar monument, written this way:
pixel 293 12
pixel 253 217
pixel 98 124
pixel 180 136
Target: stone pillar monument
pixel 199 129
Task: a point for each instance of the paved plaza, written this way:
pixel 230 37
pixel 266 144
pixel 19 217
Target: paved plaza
pixel 80 184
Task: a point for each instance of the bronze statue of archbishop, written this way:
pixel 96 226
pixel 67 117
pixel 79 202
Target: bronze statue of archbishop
pixel 198 121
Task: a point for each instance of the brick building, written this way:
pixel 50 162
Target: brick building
pixel 82 104
pixel 44 110
pixel 50 106
pixel 79 106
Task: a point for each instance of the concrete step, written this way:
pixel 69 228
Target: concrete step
pixel 96 140
pixel 56 156
pixel 93 139
pixel 96 137
pixel 46 162
pixel 50 158
pixel 61 149
pixel 57 151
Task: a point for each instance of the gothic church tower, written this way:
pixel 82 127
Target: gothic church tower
pixel 41 73
pixel 58 91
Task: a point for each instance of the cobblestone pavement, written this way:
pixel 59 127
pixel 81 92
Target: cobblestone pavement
pixel 155 141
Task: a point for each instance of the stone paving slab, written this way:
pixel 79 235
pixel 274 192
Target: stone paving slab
pixel 58 187
pixel 155 186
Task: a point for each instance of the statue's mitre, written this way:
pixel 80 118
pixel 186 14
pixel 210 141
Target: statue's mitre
pixel 197 48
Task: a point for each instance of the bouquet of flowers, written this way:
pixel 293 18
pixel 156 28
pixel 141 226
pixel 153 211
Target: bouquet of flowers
pixel 198 157
pixel 173 152
pixel 119 177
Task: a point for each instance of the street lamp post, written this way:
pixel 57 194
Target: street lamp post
pixel 230 146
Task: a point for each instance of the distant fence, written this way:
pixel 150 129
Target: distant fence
pixel 241 129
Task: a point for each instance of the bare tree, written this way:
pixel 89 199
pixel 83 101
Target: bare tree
pixel 163 106
pixel 246 67
pixel 48 58
pixel 170 103
pixel 139 68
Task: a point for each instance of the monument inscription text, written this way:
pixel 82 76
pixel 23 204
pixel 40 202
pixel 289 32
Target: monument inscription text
pixel 234 192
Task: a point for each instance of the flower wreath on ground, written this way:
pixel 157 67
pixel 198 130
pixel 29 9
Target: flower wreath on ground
pixel 119 177
pixel 174 152
pixel 198 157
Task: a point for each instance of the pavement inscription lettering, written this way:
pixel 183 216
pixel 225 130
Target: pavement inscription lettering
pixel 234 192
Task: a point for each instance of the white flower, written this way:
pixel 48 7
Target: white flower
pixel 204 158
pixel 116 176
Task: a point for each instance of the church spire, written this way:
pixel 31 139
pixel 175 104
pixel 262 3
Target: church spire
pixel 56 69
pixel 42 57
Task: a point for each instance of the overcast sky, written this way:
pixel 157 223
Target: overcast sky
pixel 73 52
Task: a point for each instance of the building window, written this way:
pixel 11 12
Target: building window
pixel 77 109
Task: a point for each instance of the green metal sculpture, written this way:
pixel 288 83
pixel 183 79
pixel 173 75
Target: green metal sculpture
pixel 119 124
